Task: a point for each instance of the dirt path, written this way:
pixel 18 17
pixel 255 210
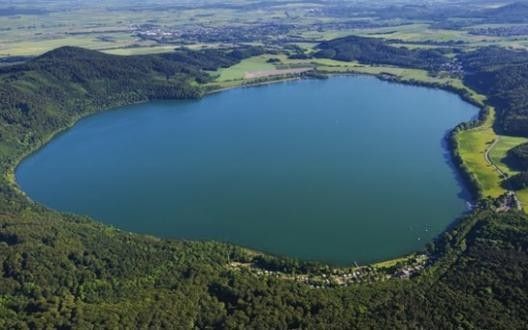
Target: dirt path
pixel 488 159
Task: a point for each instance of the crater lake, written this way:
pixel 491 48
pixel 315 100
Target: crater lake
pixel 348 169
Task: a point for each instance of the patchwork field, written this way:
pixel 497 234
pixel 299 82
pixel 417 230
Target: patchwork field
pixel 187 24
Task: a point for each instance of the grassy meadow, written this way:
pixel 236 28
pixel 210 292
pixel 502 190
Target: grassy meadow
pixel 238 71
pixel 473 146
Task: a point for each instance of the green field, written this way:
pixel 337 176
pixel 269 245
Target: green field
pixel 127 51
pixel 473 145
pixel 402 74
pixel 238 71
pixel 259 63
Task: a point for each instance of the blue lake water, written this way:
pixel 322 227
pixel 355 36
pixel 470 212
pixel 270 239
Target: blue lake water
pixel 340 170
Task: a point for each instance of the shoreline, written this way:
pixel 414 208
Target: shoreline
pixel 10 174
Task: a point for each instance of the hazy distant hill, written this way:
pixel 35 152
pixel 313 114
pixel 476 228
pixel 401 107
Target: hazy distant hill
pixel 512 13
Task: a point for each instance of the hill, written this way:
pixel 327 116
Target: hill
pixel 377 51
pixel 502 75
pixel 516 12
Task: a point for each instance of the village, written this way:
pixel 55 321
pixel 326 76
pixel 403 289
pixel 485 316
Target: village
pixel 404 268
pixel 201 33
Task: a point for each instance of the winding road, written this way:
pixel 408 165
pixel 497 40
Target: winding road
pixel 488 159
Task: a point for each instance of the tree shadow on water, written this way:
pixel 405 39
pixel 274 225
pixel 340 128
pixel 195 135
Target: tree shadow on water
pixel 465 192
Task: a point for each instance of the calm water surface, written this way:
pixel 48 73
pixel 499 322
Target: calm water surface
pixel 340 170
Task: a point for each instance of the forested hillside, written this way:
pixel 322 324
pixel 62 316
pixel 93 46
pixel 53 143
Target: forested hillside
pixel 71 272
pixel 502 75
pixel 376 51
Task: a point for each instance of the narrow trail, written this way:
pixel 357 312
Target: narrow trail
pixel 488 159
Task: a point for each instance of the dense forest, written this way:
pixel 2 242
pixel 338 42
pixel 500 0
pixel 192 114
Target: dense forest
pixel 376 51
pixel 66 271
pixel 517 157
pixel 502 75
pixel 71 272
